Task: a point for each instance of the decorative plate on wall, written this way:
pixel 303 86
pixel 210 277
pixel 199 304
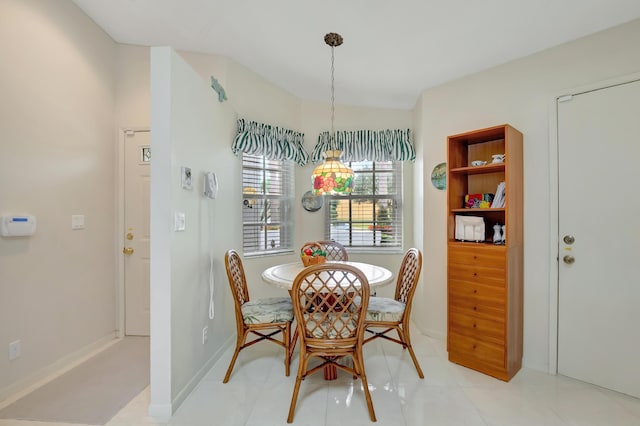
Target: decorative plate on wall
pixel 439 176
pixel 312 202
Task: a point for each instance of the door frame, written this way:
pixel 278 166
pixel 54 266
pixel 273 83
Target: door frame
pixel 554 205
pixel 120 226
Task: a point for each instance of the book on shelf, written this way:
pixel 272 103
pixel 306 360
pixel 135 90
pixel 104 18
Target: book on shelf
pixel 499 197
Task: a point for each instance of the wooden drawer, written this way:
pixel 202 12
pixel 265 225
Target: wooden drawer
pixel 477 328
pixel 477 300
pixel 477 274
pixel 478 294
pixel 476 350
pixel 487 256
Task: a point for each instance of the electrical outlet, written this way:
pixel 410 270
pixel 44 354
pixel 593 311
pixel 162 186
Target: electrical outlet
pixel 205 336
pixel 14 350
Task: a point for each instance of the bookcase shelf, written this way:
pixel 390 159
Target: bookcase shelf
pixel 471 170
pixel 478 211
pixel 485 280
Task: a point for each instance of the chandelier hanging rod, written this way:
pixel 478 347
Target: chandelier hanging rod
pixel 333 40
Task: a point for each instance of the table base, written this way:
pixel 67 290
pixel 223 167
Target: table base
pixel 330 372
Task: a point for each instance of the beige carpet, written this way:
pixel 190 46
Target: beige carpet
pixel 91 393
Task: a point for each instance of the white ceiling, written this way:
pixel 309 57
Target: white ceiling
pixel 392 51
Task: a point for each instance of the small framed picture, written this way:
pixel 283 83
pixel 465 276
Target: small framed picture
pixel 186 177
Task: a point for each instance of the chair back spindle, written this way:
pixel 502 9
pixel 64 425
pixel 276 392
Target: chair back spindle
pixel 334 250
pixel 408 275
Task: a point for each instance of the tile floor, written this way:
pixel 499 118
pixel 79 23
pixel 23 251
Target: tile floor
pixel 258 393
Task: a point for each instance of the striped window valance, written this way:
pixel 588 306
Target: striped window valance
pixel 273 142
pixel 372 145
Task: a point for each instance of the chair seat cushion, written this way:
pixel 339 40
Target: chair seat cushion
pixel 385 309
pixel 330 326
pixel 265 311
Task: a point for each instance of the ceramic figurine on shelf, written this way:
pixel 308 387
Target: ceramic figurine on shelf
pixel 497 158
pixel 504 234
pixel 497 239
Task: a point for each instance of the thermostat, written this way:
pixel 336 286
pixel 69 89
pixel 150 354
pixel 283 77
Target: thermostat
pixel 17 226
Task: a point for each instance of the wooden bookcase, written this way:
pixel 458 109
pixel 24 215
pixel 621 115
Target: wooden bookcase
pixel 485 280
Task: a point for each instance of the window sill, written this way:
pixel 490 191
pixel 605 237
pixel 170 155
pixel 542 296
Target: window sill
pixel 268 253
pixel 375 250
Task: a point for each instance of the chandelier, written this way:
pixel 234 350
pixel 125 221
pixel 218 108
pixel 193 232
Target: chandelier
pixel 332 176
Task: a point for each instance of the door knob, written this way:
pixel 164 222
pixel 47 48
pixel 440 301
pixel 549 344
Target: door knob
pixel 569 239
pixel 129 236
pixel 568 259
pixel 128 251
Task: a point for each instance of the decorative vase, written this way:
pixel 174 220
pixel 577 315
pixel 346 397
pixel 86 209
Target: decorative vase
pixel 504 234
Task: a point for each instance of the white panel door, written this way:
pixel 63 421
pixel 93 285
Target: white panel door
pixel 599 207
pixel 136 233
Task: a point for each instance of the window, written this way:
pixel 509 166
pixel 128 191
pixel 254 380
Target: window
pixel 372 215
pixel 267 224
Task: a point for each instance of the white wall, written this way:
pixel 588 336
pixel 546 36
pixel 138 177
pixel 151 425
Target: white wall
pixel 520 93
pixel 132 64
pixel 57 152
pixel 421 226
pixel 253 98
pixel 189 127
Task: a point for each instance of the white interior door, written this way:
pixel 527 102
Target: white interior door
pixel 599 174
pixel 137 168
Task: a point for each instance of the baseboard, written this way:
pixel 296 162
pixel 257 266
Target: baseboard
pixel 435 334
pixel 190 386
pixel 17 390
pixel 160 412
pixel 163 412
pixel 429 332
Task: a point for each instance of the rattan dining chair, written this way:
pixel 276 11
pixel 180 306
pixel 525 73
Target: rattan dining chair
pixel 334 250
pixel 395 314
pixel 264 318
pixel 329 304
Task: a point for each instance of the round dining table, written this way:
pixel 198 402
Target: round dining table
pixel 283 276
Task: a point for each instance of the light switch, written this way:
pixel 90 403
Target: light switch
pixel 77 221
pixel 179 222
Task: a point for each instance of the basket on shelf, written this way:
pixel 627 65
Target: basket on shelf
pixel 312 254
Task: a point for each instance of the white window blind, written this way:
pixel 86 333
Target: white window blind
pixel 267 186
pixel 372 215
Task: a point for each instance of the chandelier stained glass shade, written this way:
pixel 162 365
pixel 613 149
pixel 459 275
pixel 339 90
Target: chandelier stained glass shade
pixel 332 176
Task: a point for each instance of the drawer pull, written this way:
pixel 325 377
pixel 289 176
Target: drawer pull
pixel 474 346
pixel 475 325
pixel 475 308
pixel 475 274
pixel 475 291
